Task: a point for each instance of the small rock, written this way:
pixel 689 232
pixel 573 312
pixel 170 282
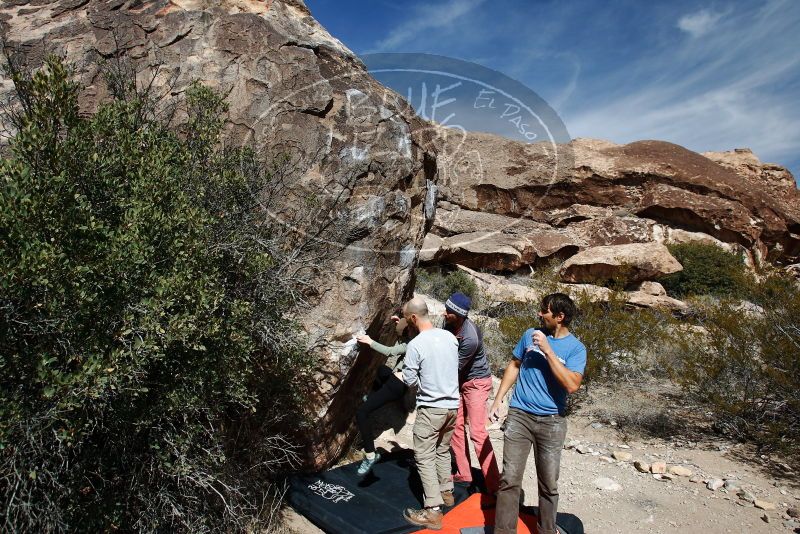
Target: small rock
pixel 607 484
pixel 658 467
pixel 784 492
pixel 714 484
pixel 583 449
pixel 573 443
pixel 642 467
pixel 785 467
pixel 695 479
pixel 765 518
pixel 732 485
pixel 606 459
pixel 746 496
pixel 791 524
pixel 764 505
pixel 793 512
pixel 624 446
pixel 595 453
pixel 613 423
pixel 597 426
pixel 622 456
pixel 680 471
pixel 667 476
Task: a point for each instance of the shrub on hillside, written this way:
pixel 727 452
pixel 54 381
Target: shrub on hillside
pixel 151 378
pixel 440 285
pixel 707 270
pixel 746 364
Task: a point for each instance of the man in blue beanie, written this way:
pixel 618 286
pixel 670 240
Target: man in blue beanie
pixel 475 387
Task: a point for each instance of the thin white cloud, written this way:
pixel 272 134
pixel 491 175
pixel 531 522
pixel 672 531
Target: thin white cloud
pixel 699 23
pixel 734 88
pixel 426 19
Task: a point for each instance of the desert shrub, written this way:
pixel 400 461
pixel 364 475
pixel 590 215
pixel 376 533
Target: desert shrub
pixel 440 285
pixel 746 364
pixel 707 270
pixel 151 380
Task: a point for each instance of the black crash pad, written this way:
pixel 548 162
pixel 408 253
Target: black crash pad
pixel 339 501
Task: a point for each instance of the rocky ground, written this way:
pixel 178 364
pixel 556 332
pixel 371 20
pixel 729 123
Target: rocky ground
pixel 622 476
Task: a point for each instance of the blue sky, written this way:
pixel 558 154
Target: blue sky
pixel 706 75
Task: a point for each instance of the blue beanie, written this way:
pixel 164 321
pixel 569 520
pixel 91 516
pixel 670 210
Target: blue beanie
pixel 459 304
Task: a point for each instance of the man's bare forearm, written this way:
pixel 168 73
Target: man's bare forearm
pixel 509 378
pixel 569 380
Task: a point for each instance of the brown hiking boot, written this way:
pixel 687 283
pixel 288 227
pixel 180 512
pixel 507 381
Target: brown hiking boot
pixel 427 517
pixel 448 498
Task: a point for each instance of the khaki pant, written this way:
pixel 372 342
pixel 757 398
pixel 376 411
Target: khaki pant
pixel 432 432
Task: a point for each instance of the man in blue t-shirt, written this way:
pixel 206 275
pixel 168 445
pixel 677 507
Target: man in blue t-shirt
pixel 547 365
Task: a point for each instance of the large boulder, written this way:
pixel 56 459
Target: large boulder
pixel 632 263
pixel 616 194
pixel 744 163
pixel 614 230
pixel 293 90
pixel 642 299
pixel 498 251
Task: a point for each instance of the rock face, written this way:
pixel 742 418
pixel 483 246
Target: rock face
pixel 635 262
pixel 292 89
pixel 647 191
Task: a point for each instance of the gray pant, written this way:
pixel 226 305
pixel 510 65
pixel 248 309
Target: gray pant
pixel 545 433
pixel 432 432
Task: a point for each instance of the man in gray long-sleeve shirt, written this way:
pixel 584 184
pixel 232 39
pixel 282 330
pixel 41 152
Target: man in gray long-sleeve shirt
pixel 431 364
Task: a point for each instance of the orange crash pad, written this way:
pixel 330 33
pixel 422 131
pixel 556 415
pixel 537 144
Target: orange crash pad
pixel 478 510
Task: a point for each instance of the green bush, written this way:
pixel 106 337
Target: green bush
pixel 707 270
pixel 441 285
pixel 148 366
pixel 746 364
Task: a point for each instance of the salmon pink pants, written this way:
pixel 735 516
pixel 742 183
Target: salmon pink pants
pixel 472 409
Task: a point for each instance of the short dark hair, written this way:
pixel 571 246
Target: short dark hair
pixel 559 303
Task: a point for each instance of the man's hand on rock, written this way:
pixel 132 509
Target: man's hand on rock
pixel 364 339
